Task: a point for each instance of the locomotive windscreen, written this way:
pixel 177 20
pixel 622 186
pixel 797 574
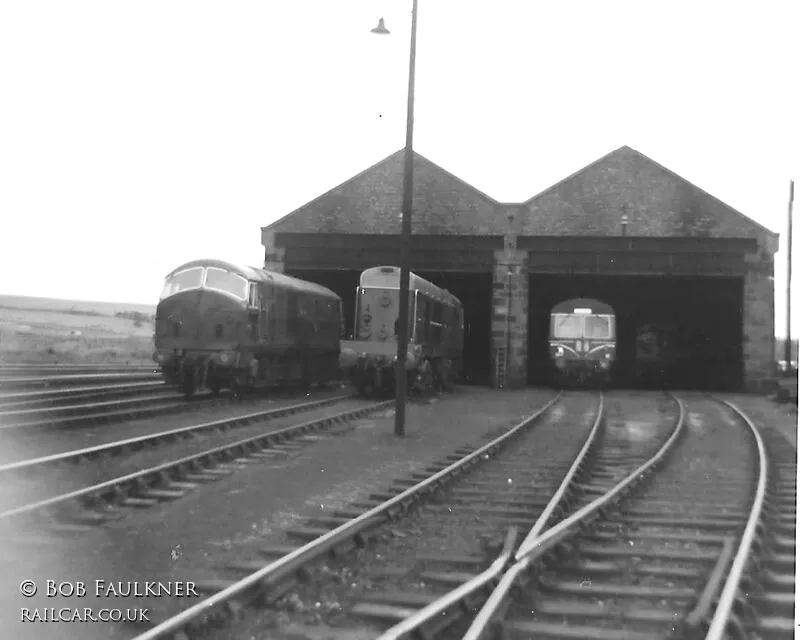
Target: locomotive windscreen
pixel 222 280
pixel 598 327
pixel 182 281
pixel 567 326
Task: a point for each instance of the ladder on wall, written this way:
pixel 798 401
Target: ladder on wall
pixel 500 368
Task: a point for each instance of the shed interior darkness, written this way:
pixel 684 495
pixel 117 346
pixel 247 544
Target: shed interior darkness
pixel 702 316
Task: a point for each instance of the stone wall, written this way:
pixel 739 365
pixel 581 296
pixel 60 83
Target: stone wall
pixel 510 316
pixel 273 255
pixel 758 336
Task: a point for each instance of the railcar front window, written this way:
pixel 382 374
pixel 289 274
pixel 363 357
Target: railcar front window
pixel 182 281
pixel 567 326
pixel 598 327
pixel 226 281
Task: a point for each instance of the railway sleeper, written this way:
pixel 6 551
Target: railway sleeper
pixel 518 492
pixel 527 629
pixel 448 578
pixel 708 523
pixel 604 610
pixel 202 477
pixel 584 566
pixel 774 603
pixel 139 503
pixel 593 589
pixel 721 512
pixel 769 627
pixel 90 517
pixel 507 511
pixel 656 534
pixel 605 551
pixel 770 580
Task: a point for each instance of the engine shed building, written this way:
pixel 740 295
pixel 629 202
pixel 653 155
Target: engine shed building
pixel 684 259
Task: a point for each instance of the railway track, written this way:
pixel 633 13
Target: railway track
pixel 105 501
pixel 668 560
pixel 117 403
pixel 11 383
pixel 637 542
pixel 552 436
pixel 149 441
pixel 22 369
pixel 42 399
pixel 136 403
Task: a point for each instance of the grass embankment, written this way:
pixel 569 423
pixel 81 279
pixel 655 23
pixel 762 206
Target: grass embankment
pixel 47 330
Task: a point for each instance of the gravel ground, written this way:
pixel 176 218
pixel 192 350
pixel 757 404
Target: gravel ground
pixel 53 481
pixel 768 415
pixel 16 445
pixel 232 518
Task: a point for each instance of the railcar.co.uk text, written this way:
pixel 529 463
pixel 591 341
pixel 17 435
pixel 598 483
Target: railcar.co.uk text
pixel 99 589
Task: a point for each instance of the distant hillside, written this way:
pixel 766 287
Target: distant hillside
pixel 90 308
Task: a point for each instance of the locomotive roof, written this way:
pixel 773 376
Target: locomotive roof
pixel 261 275
pixel 597 307
pixel 388 276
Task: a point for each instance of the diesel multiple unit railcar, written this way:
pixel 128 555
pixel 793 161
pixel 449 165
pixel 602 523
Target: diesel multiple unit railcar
pixel 225 326
pixel 582 341
pixel 436 334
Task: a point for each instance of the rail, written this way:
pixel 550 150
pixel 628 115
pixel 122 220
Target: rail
pixel 437 608
pixel 112 486
pixel 171 433
pixel 293 560
pixel 532 549
pixel 722 613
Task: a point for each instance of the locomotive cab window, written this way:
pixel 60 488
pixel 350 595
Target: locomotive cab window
pixel 226 282
pixel 598 327
pixel 182 281
pixel 567 326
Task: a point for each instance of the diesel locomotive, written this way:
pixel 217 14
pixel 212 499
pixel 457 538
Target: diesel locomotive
pixel 226 326
pixel 582 342
pixel 435 336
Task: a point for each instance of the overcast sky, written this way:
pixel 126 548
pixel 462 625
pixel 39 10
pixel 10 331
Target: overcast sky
pixel 138 135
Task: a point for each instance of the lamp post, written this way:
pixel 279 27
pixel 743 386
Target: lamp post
pixel 405 233
pixel 787 347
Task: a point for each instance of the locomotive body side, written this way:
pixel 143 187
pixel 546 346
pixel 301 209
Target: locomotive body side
pixel 436 334
pixel 220 325
pixel 583 342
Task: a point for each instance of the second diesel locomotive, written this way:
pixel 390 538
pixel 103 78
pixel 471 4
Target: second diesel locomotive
pixel 583 342
pixel 436 334
pixel 225 326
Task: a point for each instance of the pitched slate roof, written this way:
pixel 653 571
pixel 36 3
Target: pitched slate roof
pixel 657 201
pixel 591 201
pixel 371 202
